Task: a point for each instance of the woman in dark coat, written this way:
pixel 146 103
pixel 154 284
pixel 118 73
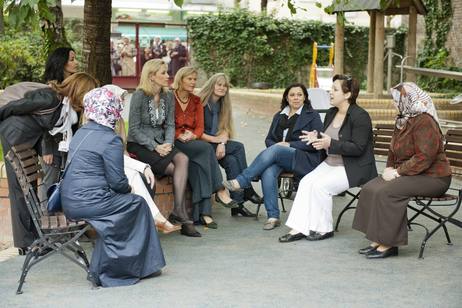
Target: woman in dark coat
pixel 25 121
pixel 350 162
pixel 95 189
pixel 285 151
pixel 416 166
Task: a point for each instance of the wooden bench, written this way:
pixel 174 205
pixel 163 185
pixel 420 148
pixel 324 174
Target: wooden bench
pixel 56 233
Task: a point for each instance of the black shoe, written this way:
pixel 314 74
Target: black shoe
pixel 175 220
pixel 392 251
pixel 244 212
pixel 212 225
pixel 291 237
pixel 189 230
pixel 231 204
pixel 22 251
pixel 366 250
pixel 252 196
pixel 316 236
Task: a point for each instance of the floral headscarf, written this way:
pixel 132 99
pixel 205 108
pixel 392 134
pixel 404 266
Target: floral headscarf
pixel 411 101
pixel 103 107
pixel 116 90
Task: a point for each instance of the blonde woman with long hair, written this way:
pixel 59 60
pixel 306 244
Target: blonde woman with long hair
pixel 218 131
pixel 189 122
pixel 151 134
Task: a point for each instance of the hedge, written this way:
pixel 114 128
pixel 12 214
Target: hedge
pixel 256 48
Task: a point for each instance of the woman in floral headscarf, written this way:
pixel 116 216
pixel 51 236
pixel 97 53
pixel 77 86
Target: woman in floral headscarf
pixel 416 166
pixel 95 189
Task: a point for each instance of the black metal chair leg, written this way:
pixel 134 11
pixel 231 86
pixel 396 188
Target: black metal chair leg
pixel 446 233
pixel 25 270
pixel 258 211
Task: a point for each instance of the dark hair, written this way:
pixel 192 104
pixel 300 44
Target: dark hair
pixel 349 84
pixel 285 102
pixel 54 68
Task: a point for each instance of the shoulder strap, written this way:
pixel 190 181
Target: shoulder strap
pixel 76 150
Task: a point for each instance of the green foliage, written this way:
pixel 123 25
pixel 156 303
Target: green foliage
pixel 434 54
pixel 252 48
pixel 22 57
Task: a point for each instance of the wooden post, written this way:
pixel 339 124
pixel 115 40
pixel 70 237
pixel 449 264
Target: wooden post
pixel 412 42
pixel 378 58
pixel 339 45
pixel 370 54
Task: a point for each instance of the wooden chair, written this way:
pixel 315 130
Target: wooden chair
pixel 382 134
pixel 56 233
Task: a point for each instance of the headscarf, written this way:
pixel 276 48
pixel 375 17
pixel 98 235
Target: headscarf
pixel 103 107
pixel 411 101
pixel 116 90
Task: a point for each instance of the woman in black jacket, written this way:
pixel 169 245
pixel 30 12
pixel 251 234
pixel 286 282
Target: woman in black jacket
pixel 346 144
pixel 24 121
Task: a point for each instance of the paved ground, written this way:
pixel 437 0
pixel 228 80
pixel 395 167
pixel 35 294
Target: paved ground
pixel 241 265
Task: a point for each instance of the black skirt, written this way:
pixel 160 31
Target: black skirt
pixel 158 163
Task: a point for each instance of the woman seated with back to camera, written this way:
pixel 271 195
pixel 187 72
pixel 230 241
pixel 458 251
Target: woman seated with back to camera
pixel 285 151
pixel 350 162
pixel 205 174
pixel 416 166
pixel 95 189
pixel 218 130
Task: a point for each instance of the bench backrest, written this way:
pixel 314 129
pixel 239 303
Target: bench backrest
pixel 382 134
pixel 453 150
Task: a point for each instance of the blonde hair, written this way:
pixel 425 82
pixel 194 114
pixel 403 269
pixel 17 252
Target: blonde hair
pixel 226 122
pixel 149 68
pixel 75 87
pixel 182 72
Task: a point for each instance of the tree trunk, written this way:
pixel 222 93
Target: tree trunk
pixel 96 39
pixel 264 6
pixel 53 31
pixel 2 21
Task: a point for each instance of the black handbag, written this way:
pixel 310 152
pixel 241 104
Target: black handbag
pixel 54 192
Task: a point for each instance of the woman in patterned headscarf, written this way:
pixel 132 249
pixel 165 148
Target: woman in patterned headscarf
pixel 416 166
pixel 95 189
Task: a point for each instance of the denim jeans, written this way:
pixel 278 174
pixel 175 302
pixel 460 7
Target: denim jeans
pixel 268 165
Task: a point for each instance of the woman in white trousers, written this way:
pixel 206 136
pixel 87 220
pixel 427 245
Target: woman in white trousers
pixel 349 161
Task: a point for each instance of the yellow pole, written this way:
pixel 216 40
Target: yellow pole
pixel 313 66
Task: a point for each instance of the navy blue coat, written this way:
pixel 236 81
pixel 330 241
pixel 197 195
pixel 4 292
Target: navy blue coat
pixel 95 188
pixel 306 157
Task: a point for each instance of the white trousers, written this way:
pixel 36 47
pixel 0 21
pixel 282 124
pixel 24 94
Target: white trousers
pixel 132 169
pixel 312 207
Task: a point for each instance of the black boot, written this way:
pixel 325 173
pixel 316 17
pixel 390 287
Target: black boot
pixel 252 196
pixel 244 212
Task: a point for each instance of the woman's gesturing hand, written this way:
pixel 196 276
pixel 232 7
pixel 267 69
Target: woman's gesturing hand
pixel 309 137
pixel 322 143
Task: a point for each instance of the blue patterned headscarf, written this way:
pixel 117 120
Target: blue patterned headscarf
pixel 103 107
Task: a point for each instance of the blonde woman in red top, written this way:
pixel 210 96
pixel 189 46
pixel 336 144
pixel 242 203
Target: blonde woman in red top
pixel 204 172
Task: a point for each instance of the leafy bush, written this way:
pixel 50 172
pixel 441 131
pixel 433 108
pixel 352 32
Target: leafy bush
pixel 252 48
pixel 21 57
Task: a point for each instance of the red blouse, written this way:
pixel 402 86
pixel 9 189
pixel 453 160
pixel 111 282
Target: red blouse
pixel 418 149
pixel 192 118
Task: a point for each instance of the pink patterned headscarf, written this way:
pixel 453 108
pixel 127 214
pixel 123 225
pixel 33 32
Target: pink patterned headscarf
pixel 103 107
pixel 411 101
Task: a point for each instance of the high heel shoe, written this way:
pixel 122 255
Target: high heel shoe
pixel 230 205
pixel 211 225
pixel 244 212
pixel 166 229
